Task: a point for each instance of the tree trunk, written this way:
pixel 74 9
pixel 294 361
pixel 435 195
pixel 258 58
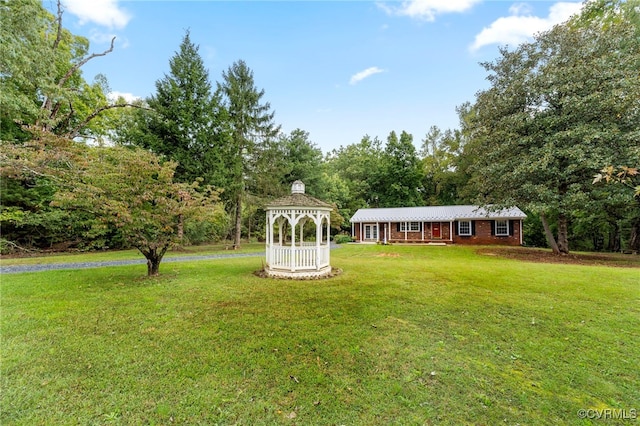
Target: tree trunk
pixel 547 233
pixel 154 257
pixel 238 227
pixel 634 241
pixel 249 220
pixel 614 237
pixel 153 267
pixel 563 234
pixel 181 229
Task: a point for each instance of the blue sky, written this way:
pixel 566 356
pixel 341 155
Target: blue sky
pixel 336 69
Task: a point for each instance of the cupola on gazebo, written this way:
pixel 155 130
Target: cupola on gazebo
pixel 288 254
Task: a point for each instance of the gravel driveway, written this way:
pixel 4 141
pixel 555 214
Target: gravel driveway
pixel 16 269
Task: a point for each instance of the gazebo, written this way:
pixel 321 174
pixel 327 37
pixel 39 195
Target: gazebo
pixel 288 255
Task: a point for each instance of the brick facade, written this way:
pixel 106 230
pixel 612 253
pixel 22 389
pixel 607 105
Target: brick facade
pixel 483 233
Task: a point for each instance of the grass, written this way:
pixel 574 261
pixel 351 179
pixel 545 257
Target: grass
pixel 65 257
pixel 405 335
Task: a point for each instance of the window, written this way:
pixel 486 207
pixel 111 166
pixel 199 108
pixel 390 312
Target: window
pixel 502 227
pixel 464 227
pixel 410 226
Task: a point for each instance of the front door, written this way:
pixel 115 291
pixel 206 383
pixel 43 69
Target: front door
pixel 371 232
pixel 435 230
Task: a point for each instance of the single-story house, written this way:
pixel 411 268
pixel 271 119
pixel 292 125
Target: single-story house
pixel 439 224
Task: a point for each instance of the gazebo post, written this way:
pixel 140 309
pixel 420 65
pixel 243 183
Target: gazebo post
pixel 318 221
pixel 301 222
pixel 268 238
pixel 293 245
pixel 328 229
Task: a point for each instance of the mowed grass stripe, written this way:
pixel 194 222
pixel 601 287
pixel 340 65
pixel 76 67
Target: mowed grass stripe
pixel 405 335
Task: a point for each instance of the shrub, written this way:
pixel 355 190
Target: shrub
pixel 342 238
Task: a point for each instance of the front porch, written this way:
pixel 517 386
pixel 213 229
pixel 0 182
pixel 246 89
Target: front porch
pixel 435 232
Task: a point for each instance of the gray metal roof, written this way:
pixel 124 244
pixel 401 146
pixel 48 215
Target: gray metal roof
pixel 434 213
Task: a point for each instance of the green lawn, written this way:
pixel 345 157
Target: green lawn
pixel 405 335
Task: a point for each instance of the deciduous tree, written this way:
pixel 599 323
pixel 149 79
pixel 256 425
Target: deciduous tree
pixel 400 177
pixel 135 191
pixel 557 109
pixel 41 82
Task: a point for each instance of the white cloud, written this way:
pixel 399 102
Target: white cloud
pixel 521 25
pixel 428 9
pixel 357 77
pixel 128 97
pixel 99 37
pixel 520 9
pixel 106 13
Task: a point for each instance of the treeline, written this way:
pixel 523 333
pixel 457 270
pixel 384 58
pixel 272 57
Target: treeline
pixel 197 161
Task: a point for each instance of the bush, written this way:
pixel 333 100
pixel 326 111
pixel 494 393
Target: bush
pixel 342 238
pixel 208 229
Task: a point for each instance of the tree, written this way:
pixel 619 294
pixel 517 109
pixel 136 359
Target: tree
pixel 29 184
pixel 134 190
pixel 41 83
pixel 129 189
pixel 442 178
pixel 252 125
pixel 26 64
pixel 557 109
pixel 351 173
pixel 185 123
pixel 399 180
pixel 624 175
pixel 42 90
pixel 302 161
pixel 627 177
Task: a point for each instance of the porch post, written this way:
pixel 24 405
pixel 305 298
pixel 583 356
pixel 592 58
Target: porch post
pixel 422 226
pixel 377 232
pixel 521 236
pixel 405 230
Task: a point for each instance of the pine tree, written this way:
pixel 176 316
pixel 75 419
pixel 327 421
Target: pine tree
pixel 251 123
pixel 187 122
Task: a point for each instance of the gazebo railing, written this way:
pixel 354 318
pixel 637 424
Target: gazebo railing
pixel 299 257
